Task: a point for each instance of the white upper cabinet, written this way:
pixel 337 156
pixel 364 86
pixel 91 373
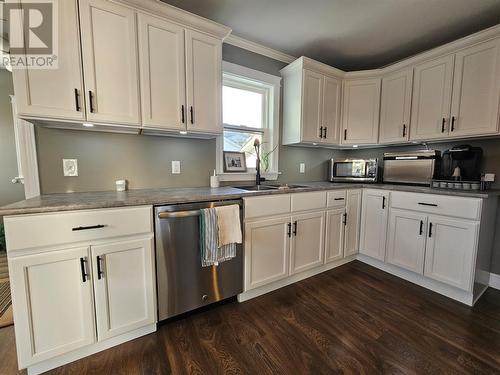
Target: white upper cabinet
pixel 374 223
pixel 311 103
pixel 331 110
pixel 395 106
pixel 110 61
pixel 312 106
pixel 163 73
pixel 204 82
pixel 361 109
pixel 55 93
pixel 476 90
pixel 451 247
pixel 431 104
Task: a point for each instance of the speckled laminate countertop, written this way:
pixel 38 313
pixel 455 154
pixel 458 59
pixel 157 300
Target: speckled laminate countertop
pixel 109 199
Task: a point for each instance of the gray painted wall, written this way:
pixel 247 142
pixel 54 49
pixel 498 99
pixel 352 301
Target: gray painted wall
pixel 9 192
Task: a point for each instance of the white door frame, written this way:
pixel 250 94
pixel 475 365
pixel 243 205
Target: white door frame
pixel 27 163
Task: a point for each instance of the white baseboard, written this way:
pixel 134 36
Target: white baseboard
pixel 495 281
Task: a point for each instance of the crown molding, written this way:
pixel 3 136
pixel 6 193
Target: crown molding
pixel 259 48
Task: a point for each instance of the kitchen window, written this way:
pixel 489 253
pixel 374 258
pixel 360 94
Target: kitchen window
pixel 250 110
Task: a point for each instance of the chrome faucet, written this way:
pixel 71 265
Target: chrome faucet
pixel 258 179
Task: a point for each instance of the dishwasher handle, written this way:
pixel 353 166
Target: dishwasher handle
pixel 178 214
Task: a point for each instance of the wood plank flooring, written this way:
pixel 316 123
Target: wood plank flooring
pixel 351 320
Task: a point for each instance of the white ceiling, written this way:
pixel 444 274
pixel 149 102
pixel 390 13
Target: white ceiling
pixel 349 34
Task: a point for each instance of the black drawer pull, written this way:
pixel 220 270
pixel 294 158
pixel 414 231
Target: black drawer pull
pixel 421 227
pixel 295 229
pixel 77 100
pixel 430 230
pixel 191 112
pixel 443 125
pixel 100 272
pixel 339 199
pixel 321 132
pixel 85 275
pixel 428 204
pixel 326 129
pixel 182 114
pixel 345 219
pixel 91 102
pixel 88 228
pixel 383 203
pixel 289 232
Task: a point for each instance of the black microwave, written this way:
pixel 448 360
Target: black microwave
pixel 353 170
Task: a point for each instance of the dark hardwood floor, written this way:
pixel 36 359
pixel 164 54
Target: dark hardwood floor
pixel 353 320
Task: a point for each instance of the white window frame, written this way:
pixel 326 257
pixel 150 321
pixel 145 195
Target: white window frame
pixel 238 76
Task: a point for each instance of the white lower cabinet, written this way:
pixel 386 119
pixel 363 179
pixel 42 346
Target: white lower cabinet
pixel 124 285
pixel 307 246
pixel 407 234
pixel 53 303
pixel 266 251
pixel 335 233
pixel 352 222
pixel 450 251
pixel 375 214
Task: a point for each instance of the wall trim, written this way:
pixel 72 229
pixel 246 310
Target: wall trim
pixel 248 45
pixel 495 281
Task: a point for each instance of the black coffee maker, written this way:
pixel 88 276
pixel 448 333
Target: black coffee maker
pixel 465 157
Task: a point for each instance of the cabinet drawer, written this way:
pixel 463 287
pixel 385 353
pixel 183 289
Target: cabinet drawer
pixel 268 205
pixel 467 208
pixel 29 231
pixel 336 198
pixel 309 201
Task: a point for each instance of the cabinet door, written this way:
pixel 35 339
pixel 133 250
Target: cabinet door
pixel 406 243
pixel 431 101
pixel 307 246
pixel 55 93
pixel 476 90
pixel 360 116
pixel 353 221
pixel 451 247
pixel 110 62
pixel 204 82
pixel 312 106
pixel 266 251
pixel 335 230
pixel 395 107
pixel 331 110
pixel 53 305
pixel 163 73
pixel 124 283
pixel 374 224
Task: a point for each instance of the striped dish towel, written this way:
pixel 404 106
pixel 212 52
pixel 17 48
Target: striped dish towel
pixel 211 254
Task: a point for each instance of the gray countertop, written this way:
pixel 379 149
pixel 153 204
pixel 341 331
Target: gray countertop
pixel 109 199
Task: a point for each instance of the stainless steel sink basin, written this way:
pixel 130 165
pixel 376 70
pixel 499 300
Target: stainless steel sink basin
pixel 256 188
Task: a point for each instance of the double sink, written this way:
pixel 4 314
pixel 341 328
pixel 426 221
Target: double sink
pixel 270 187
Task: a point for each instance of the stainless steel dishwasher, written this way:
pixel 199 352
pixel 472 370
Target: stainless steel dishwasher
pixel 182 283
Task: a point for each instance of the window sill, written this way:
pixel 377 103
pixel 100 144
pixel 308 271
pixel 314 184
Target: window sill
pixel 269 176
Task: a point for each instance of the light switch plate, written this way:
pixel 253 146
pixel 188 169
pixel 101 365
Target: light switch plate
pixel 302 167
pixel 176 167
pixel 70 167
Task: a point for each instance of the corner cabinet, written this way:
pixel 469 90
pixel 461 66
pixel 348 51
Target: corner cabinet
pixel 311 103
pixel 81 282
pixel 360 111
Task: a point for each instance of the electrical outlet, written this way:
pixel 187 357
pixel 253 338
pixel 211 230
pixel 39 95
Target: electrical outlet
pixel 302 167
pixel 176 167
pixel 70 167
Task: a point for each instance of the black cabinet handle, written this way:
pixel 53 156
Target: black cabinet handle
pixel 421 227
pixel 325 132
pixel 85 275
pixel 428 204
pixel 404 130
pixel 443 126
pixel 76 229
pixel 383 203
pixel 339 199
pixel 91 102
pixel 345 134
pixel 321 132
pixel 77 101
pixel 295 228
pixel 345 219
pixel 183 119
pixel 100 272
pixel 191 112
pixel 289 232
pixel 453 123
pixel 430 230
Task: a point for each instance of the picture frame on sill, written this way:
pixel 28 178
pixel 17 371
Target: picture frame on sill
pixel 235 162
